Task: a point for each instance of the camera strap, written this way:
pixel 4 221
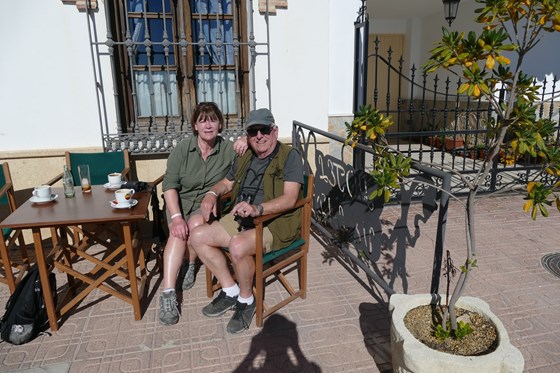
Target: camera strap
pixel 258 173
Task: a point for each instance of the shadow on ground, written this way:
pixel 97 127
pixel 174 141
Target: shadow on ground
pixel 276 349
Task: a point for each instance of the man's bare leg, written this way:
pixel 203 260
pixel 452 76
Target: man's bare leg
pixel 207 241
pixel 242 251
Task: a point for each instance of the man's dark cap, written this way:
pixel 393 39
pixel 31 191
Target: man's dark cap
pixel 260 116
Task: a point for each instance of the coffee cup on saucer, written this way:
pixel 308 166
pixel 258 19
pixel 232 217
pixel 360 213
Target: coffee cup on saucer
pixel 42 192
pixel 124 196
pixel 115 179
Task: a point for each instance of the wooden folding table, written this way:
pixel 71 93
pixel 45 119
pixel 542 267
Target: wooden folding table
pixel 75 216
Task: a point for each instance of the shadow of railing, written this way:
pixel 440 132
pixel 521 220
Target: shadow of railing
pixel 354 231
pixel 351 222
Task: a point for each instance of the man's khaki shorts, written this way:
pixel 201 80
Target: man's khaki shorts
pixel 232 228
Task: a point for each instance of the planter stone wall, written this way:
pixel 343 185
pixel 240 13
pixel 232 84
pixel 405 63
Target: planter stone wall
pixel 411 355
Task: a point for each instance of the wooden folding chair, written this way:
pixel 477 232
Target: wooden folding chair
pixel 100 165
pixel 278 264
pixel 13 268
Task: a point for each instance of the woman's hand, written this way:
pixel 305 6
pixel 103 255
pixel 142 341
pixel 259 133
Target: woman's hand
pixel 209 206
pixel 179 228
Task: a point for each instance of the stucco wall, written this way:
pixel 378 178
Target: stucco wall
pixel 47 91
pixel 51 96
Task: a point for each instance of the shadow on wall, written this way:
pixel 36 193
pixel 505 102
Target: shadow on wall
pixel 358 234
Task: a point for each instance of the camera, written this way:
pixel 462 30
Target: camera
pixel 245 222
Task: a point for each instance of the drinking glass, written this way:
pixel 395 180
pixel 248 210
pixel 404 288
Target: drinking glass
pixel 85 179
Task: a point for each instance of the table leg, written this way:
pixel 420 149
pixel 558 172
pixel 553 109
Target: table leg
pixel 45 283
pixel 131 264
pixel 5 256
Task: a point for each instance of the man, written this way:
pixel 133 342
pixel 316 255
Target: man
pixel 266 180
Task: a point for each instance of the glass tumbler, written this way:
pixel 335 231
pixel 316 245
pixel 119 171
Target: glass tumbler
pixel 85 179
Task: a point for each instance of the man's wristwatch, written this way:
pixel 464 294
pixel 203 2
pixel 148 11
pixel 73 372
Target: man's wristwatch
pixel 260 209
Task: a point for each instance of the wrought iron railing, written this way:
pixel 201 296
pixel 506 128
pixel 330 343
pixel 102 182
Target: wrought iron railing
pixel 115 53
pixel 435 124
pixel 345 216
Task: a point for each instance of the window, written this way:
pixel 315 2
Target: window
pixel 169 55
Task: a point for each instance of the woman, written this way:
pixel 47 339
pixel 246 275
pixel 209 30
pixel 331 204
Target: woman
pixel 193 167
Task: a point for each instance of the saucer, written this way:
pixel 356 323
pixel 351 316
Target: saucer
pixel 115 205
pixel 35 199
pixel 112 186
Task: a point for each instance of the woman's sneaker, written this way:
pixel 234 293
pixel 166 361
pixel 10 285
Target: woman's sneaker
pixel 188 280
pixel 168 312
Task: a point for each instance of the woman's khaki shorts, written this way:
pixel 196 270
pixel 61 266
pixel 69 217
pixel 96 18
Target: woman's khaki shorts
pixel 232 228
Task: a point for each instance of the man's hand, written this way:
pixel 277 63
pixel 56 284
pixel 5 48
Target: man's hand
pixel 244 209
pixel 241 145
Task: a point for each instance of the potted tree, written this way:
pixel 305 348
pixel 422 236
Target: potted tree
pixel 481 60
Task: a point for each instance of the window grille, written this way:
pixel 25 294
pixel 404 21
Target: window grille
pixel 165 56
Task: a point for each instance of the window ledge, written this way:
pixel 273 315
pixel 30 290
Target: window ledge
pixel 272 5
pixel 82 4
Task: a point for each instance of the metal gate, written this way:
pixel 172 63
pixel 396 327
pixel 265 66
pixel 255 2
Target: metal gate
pixel 435 124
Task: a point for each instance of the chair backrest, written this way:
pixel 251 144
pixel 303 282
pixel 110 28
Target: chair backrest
pixel 100 165
pixel 7 195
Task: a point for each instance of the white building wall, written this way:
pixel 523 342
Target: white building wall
pixel 48 99
pixel 342 15
pixel 47 93
pixel 51 84
pixel 312 52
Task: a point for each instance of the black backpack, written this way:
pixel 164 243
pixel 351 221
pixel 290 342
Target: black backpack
pixel 26 314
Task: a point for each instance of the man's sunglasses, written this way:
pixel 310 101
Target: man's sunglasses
pixel 253 131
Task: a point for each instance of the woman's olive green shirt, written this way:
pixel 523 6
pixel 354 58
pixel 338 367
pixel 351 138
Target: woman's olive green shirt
pixel 192 176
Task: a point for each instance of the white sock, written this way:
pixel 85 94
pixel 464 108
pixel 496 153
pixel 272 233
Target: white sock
pixel 248 300
pixel 168 290
pixel 232 291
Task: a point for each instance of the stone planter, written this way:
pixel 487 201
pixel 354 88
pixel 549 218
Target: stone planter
pixel 411 355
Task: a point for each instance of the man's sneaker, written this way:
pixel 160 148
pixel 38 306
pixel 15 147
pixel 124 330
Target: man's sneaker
pixel 219 305
pixel 168 312
pixel 188 280
pixel 242 317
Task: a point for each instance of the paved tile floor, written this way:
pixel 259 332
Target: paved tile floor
pixel 342 326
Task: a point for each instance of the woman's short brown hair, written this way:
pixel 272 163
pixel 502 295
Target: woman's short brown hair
pixel 207 110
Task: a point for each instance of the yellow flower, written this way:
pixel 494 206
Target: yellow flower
pixel 476 90
pixel 503 60
pixel 490 62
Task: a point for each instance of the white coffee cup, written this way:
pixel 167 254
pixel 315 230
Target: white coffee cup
pixel 42 191
pixel 115 178
pixel 124 196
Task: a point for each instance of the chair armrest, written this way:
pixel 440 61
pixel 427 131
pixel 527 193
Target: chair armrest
pixel 264 218
pixel 5 189
pixel 158 180
pixel 125 171
pixel 55 179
